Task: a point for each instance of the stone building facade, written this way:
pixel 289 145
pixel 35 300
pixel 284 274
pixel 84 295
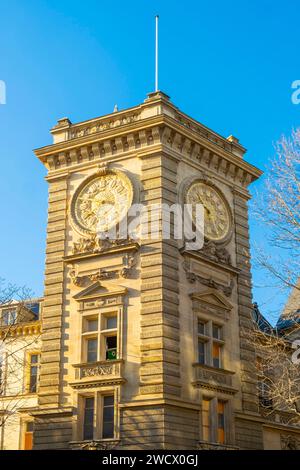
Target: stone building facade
pixel 143 340
pixel 20 346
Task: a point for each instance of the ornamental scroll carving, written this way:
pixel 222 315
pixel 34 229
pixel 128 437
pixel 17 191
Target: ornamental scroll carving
pixel 289 442
pixel 216 253
pixel 126 271
pixel 98 445
pixel 94 244
pixel 97 370
pixel 103 125
pixel 209 282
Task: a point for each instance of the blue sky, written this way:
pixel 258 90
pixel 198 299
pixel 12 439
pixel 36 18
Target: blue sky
pixel 229 65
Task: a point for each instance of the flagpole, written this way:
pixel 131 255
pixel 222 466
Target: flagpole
pixel 156 53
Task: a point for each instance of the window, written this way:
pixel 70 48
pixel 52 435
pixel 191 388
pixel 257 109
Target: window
pixel 216 355
pixel 201 352
pixel 9 317
pixel 92 324
pixel 210 343
pixel 201 327
pixel 34 366
pixel 100 337
pixel 206 420
pixel 221 422
pixel 111 323
pixel 92 349
pixel 108 417
pixel 28 435
pixel 88 421
pixel 216 331
pixel 1 373
pixel 98 421
pixel 110 347
pixel 213 420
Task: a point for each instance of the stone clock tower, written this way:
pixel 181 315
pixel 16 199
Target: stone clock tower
pixel 143 342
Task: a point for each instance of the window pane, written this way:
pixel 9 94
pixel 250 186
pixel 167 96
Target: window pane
pixel 201 352
pixel 29 427
pixel 5 318
pixel 217 332
pixel 92 325
pixel 108 413
pixel 111 347
pixel 221 422
pixel 108 430
pixel 108 400
pixel 88 424
pixel 13 317
pixel 201 327
pixel 34 359
pixel 28 441
pixel 92 346
pixel 9 317
pixel 33 380
pixel 111 323
pixel 216 355
pixel 34 370
pixel 108 417
pixel 1 374
pixel 206 420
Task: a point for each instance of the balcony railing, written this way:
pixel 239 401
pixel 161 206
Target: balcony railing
pixel 203 445
pixel 212 376
pixel 101 371
pixel 95 444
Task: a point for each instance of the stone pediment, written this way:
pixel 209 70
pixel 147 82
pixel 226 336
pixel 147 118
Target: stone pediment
pixel 213 298
pixel 99 289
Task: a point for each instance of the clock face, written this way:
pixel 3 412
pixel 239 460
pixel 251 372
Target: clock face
pixel 216 213
pixel 102 202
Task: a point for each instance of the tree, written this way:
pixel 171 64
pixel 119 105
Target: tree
pixel 278 368
pixel 278 207
pixel 15 311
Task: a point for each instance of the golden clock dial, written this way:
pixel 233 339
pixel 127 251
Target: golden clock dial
pixel 102 202
pixel 216 213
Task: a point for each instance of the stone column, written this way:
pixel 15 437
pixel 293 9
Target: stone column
pixel 52 427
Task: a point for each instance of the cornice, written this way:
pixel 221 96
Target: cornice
pixel 168 131
pixel 21 329
pixel 108 252
pixel 98 137
pixel 213 147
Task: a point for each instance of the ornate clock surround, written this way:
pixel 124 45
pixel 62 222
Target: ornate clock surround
pixel 205 180
pixel 119 185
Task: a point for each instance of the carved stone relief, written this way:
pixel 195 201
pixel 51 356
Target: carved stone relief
pixel 289 442
pixel 94 244
pixel 126 271
pixel 192 277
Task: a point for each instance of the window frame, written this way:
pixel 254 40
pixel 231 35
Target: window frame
pixel 25 432
pixel 9 310
pixel 3 358
pixel 100 334
pixel 210 341
pixel 213 420
pixel 29 355
pixel 98 415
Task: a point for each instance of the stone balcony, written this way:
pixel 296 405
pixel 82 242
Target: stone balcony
pixel 203 445
pixel 213 378
pixel 95 444
pixel 98 373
